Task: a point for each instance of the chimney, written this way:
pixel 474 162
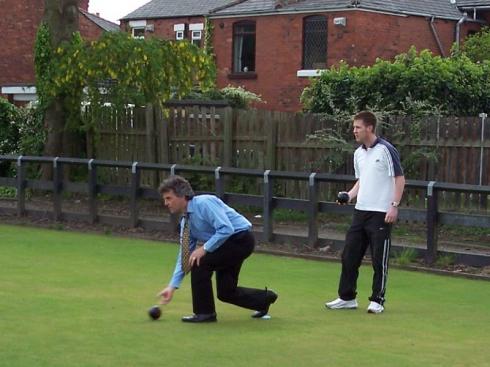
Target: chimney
pixel 83 4
pixel 282 3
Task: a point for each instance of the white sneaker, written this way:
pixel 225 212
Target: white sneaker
pixel 339 303
pixel 375 307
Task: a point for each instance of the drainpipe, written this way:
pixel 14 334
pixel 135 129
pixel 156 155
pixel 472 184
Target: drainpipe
pixel 458 29
pixel 436 36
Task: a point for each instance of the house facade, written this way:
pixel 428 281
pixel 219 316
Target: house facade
pixel 19 21
pixel 274 47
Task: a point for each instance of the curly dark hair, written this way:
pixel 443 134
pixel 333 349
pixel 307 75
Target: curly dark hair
pixel 179 185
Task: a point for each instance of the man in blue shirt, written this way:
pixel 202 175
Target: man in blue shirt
pixel 227 241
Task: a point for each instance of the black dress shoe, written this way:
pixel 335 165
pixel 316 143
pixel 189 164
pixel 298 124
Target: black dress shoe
pixel 200 317
pixel 270 298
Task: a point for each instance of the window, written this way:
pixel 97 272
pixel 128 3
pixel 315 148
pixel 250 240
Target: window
pixel 179 35
pixel 138 28
pixel 179 30
pixel 138 32
pixel 196 38
pixel 243 47
pixel 315 42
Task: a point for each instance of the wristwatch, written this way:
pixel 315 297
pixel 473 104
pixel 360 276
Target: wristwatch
pixel 395 204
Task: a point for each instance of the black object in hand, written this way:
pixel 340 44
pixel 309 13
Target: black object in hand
pixel 154 312
pixel 343 197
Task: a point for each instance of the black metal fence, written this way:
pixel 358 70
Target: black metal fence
pixel 431 215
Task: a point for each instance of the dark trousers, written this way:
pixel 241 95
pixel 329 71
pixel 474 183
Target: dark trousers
pixel 226 261
pixel 367 229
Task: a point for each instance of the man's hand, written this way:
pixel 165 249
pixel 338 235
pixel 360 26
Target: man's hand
pixel 391 215
pixel 196 256
pixel 166 295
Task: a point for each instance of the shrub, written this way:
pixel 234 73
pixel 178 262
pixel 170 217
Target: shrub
pixel 455 86
pixel 8 129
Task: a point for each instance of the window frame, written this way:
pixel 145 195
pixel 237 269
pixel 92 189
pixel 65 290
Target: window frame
pixel 324 18
pixel 240 74
pixel 138 28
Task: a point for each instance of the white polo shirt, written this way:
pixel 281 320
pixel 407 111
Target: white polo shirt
pixel 376 168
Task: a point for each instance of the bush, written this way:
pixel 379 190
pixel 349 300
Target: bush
pixel 8 129
pixel 477 46
pixel 31 131
pixel 21 129
pixel 237 97
pixel 455 86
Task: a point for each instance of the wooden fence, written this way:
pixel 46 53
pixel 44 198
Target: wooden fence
pixel 214 134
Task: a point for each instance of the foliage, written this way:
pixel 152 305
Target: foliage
pixel 477 46
pixel 43 55
pixel 7 192
pixel 31 132
pixel 406 256
pixel 8 130
pixel 21 129
pixel 120 70
pixel 444 261
pixel 208 36
pixel 237 97
pixel 456 85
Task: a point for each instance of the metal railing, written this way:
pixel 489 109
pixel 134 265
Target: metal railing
pixel 312 206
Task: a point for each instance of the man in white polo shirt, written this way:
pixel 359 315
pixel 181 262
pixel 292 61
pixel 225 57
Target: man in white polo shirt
pixel 379 189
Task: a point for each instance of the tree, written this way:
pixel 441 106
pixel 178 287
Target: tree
pixel 116 69
pixel 61 19
pixel 477 46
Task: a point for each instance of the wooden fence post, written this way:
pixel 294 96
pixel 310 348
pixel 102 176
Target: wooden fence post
pixel 312 211
pixel 92 192
pixel 57 188
pixel 219 183
pixel 164 143
pixel 432 223
pixel 21 187
pixel 134 194
pixel 271 138
pixel 268 209
pixel 228 117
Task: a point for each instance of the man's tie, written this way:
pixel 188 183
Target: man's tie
pixel 186 243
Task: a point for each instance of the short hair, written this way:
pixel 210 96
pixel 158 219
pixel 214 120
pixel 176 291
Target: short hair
pixel 179 185
pixel 368 118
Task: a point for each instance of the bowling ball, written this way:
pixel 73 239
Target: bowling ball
pixel 343 197
pixel 154 312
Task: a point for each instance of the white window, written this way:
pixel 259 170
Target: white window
pixel 138 33
pixel 196 38
pixel 179 35
pixel 138 28
pixel 179 30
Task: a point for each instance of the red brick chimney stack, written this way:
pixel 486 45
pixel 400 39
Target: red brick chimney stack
pixel 83 4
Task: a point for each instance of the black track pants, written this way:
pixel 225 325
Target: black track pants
pixel 368 229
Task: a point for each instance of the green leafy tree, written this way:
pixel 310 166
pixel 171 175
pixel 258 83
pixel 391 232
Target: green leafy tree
pixel 116 69
pixel 477 46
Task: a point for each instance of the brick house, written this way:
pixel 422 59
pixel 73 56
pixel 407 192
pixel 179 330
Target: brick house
pixel 19 21
pixel 272 47
pixel 171 19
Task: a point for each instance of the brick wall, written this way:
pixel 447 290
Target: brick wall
pixel 19 22
pixel 279 38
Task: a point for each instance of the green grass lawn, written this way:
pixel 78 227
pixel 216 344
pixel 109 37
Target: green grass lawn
pixel 70 299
